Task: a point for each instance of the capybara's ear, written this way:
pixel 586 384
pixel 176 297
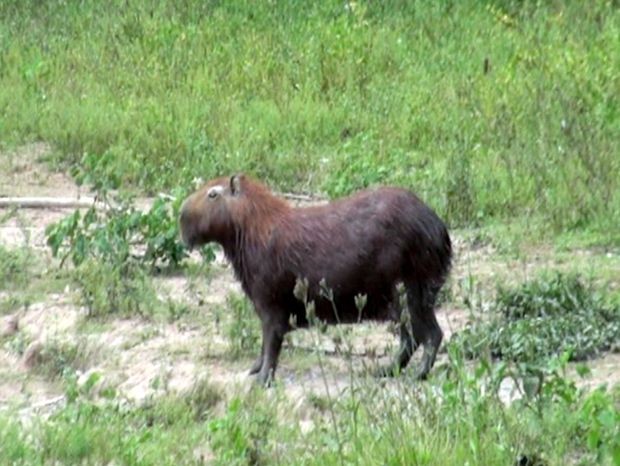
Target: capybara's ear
pixel 235 183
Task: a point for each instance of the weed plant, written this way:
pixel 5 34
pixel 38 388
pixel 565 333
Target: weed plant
pixel 116 232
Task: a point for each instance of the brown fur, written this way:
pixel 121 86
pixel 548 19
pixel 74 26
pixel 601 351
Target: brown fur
pixel 365 244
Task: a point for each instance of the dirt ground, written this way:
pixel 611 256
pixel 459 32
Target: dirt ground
pixel 143 358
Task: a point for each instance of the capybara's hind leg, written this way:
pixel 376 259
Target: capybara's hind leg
pixel 426 330
pixel 403 356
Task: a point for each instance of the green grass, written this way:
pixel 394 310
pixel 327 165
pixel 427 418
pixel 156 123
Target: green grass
pixel 456 418
pixel 490 110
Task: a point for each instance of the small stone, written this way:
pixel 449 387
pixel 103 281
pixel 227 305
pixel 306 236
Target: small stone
pixel 10 326
pixel 33 356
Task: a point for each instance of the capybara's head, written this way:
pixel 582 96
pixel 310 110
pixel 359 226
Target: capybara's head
pixel 206 215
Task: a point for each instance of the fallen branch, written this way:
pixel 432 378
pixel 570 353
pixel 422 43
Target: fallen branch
pixel 46 202
pixel 86 202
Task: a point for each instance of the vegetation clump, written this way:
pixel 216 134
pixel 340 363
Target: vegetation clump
pixel 547 316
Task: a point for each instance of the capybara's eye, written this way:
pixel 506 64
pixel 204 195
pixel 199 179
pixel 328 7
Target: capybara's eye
pixel 212 194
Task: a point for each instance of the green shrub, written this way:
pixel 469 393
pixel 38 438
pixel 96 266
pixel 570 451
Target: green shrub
pixel 119 232
pixel 113 230
pixel 548 316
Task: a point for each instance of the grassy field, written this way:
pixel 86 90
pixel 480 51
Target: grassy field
pixel 502 114
pixel 490 110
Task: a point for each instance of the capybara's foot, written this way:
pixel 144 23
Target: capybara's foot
pixel 421 373
pixel 264 378
pixel 256 367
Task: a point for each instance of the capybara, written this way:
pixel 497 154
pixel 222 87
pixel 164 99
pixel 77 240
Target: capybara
pixel 363 245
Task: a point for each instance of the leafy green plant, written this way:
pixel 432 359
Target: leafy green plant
pixel 117 232
pixel 113 229
pixel 548 316
pixel 600 418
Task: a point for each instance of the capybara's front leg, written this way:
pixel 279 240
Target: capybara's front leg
pixel 272 344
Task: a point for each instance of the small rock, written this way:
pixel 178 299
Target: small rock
pixel 10 326
pixel 33 356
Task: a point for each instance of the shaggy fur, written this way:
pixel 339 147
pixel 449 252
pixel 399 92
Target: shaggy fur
pixel 365 244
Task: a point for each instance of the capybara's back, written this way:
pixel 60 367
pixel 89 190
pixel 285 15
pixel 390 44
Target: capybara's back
pixel 361 245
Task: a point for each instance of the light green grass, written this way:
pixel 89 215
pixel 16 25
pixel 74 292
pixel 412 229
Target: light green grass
pixel 332 96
